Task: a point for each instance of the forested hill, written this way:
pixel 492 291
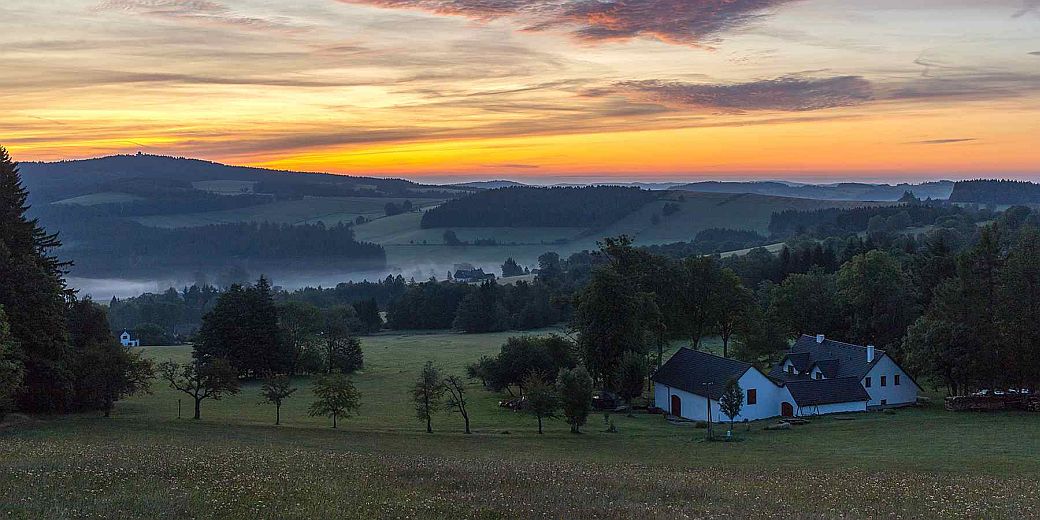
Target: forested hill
pixel 840 191
pixel 150 175
pixel 996 192
pixel 592 206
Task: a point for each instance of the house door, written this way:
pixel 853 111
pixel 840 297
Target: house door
pixel 676 406
pixel 786 409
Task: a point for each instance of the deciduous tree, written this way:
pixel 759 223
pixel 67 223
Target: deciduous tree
pixel 427 394
pixel 575 391
pixel 275 390
pixel 456 402
pixel 205 378
pixel 731 401
pixel 336 397
pixel 542 401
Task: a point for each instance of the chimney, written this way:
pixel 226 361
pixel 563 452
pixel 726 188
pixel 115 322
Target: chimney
pixel 820 338
pixel 870 353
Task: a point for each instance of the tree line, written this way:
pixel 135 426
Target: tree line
pixel 995 192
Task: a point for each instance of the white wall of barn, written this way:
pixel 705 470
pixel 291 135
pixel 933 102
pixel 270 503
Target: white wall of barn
pixel 894 395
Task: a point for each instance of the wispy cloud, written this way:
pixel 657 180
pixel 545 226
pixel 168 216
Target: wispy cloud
pixel 789 93
pixel 687 22
pixel 945 141
pixel 206 12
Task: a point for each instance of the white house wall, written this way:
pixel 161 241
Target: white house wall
pixel 903 394
pixel 825 409
pixel 694 407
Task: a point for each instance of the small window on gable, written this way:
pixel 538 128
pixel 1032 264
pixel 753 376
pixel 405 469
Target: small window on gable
pixel 867 383
pixel 896 380
pixel 884 380
pixel 819 375
pixel 790 369
pixel 752 396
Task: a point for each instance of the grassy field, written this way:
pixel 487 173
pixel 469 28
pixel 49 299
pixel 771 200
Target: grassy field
pixel 145 463
pixel 309 210
pixel 105 197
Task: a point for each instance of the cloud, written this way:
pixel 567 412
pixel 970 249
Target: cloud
pixel 787 94
pixel 945 141
pixel 513 166
pixel 205 12
pixel 686 22
pixel 1035 53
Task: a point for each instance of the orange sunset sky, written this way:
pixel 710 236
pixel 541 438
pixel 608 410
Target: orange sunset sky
pixel 533 89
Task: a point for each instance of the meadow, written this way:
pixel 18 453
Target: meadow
pixel 144 462
pixel 308 210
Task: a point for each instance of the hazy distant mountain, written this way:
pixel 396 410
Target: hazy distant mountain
pixel 489 185
pixel 838 191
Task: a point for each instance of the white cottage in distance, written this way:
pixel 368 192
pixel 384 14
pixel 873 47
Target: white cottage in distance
pixel 817 376
pixel 126 341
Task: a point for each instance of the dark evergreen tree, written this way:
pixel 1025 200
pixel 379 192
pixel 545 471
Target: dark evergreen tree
pixel 243 328
pixel 33 293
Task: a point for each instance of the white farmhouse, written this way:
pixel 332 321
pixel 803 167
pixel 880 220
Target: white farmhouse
pixel 126 341
pixel 817 376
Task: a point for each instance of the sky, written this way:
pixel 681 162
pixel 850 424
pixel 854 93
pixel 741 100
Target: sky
pixel 533 89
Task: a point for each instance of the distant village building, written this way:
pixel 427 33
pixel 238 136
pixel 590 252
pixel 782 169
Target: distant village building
pixel 816 377
pixel 127 341
pixel 473 276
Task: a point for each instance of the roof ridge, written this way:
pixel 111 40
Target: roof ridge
pixel 845 343
pixel 715 355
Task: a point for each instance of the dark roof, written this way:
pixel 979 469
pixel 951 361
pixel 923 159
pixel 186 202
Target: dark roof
pixel 835 359
pixel 474 273
pixel 689 369
pixel 812 392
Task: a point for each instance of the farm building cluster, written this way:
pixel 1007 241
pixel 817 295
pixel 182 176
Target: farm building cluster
pixel 816 376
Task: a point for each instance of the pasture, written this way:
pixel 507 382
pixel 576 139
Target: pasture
pixel 308 210
pixel 144 463
pixel 104 197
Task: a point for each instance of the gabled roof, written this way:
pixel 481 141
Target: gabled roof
pixel 813 392
pixel 836 359
pixel 689 370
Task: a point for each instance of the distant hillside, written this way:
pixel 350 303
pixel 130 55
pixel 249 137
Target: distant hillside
pixel 841 191
pixel 144 175
pixel 489 185
pixel 996 192
pixel 539 207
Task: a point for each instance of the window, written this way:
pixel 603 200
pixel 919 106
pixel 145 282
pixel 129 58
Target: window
pixel 884 381
pixel 867 383
pixel 819 375
pixel 896 381
pixel 790 369
pixel 884 402
pixel 752 396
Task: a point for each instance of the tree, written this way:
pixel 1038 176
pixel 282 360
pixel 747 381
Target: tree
pixel 511 268
pixel 336 397
pixel 10 367
pixel 427 394
pixel 368 314
pixel 203 378
pixel 299 323
pixel 456 389
pixel 522 355
pixel 243 328
pixel 613 316
pixel 760 339
pixel 32 290
pixel 731 401
pixel 696 281
pixel 807 303
pixel 730 305
pixel 342 348
pixel 633 375
pixel 275 390
pixel 108 372
pixel 878 299
pixel 541 398
pixel 451 239
pixel 575 390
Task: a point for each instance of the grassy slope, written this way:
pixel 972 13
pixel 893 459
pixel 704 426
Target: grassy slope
pixel 104 197
pixel 700 211
pixel 145 463
pixel 309 210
